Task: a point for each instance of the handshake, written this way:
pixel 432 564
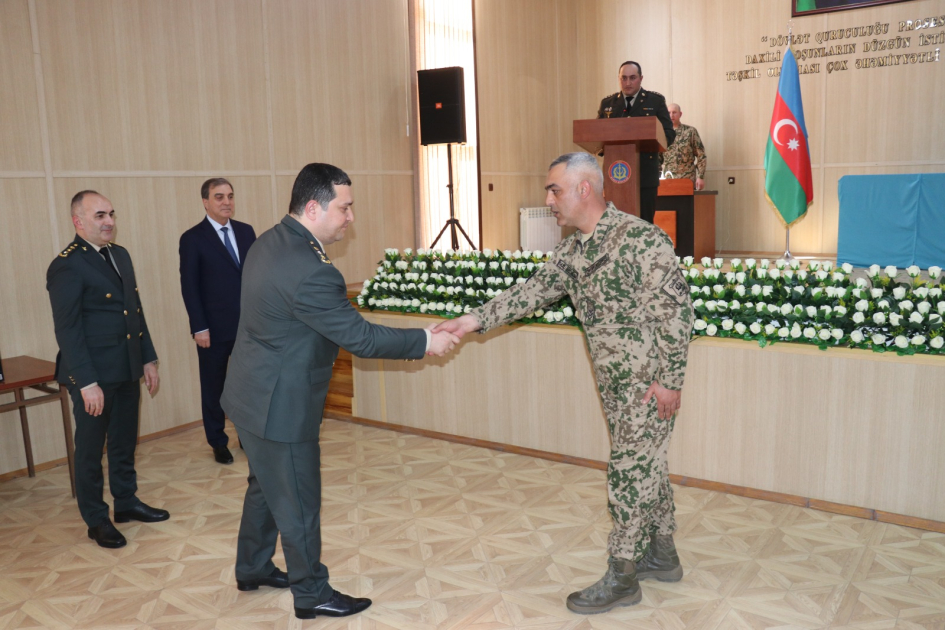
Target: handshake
pixel 447 333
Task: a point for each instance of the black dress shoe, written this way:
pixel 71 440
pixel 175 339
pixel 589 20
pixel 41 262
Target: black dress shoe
pixel 340 605
pixel 142 512
pixel 276 579
pixel 107 536
pixel 222 454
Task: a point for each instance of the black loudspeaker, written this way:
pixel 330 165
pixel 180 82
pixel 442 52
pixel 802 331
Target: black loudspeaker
pixel 442 105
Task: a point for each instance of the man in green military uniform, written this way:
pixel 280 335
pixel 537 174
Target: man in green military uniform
pixel 626 286
pixel 685 157
pixel 294 315
pixel 104 350
pixel 633 101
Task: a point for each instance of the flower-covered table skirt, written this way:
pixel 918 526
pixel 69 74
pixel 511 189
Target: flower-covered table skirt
pixel 814 302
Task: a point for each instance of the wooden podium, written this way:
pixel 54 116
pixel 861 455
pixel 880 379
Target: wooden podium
pixel 687 216
pixel 623 140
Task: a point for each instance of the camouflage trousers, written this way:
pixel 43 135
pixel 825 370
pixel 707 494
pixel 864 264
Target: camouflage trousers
pixel 639 493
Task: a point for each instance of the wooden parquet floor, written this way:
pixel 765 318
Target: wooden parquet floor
pixel 444 535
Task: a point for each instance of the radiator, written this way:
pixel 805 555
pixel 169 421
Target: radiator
pixel 538 229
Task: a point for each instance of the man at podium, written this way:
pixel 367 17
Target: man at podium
pixel 632 100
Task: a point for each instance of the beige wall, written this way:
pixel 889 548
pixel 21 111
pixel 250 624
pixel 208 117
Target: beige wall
pixel 143 100
pixel 542 64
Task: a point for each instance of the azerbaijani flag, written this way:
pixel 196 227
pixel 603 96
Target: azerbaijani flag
pixel 788 183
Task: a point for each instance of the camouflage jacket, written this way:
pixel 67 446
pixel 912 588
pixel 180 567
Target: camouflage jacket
pixel 685 157
pixel 624 280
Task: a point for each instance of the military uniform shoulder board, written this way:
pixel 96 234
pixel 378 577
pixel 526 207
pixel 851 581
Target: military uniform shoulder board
pixel 320 253
pixel 655 93
pixel 68 250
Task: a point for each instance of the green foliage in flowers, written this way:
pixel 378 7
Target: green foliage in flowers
pixel 819 305
pixel 811 303
pixel 449 284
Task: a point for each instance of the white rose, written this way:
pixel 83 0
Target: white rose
pixel 728 324
pixel 836 276
pixel 915 318
pixel 740 290
pixel 824 334
pixel 802 276
pixel 740 277
pixel 711 305
pixel 693 273
pixel 697 303
pixel 423 308
pixel 740 328
pixel 755 328
pixel 918 340
pixel 847 268
pixel 825 311
pixel 736 262
pixel 761 307
pixel 934 273
pixel 821 275
pixel 730 277
pixel 935 292
pixel 765 262
pixel 913 271
pixel 718 288
pixel 878 339
pixel 687 260
pixel 810 333
pixel 568 311
pixel 858 318
pixel 840 311
pixel 517 254
pixel 774 273
pixel 717 263
pixel 901 342
pixel 906 305
pixel 796 331
pixel 861 283
pixel 862 305
pixel 706 261
pixel 761 273
pixel 721 305
pixel 756 290
pixel 924 307
pixel 734 305
pixel 937 342
pixel 767 290
pixel 770 330
pixel 811 311
pixel 700 324
pixel 879 319
pixel 786 309
pixel 706 291
pixel 940 307
pixel 549 316
pixel 891 271
pixel 780 263
pixel 836 333
pixel 922 292
pixel 559 316
pixel 539 314
pixel 487 253
pixel 711 330
pixel 883 304
pixel 795 265
pixel 873 270
pixel 471 292
pixel 774 309
pixel 895 319
pixel 856 336
pixel 898 292
pixel 783 333
pixel 507 253
pixel 827 265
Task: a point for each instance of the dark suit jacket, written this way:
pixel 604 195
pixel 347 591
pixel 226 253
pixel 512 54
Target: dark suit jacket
pixel 210 279
pixel 647 103
pixel 294 315
pixel 100 326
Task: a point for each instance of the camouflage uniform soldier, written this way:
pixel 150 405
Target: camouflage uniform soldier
pixel 623 279
pixel 685 157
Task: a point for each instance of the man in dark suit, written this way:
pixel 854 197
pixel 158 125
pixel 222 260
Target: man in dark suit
pixel 632 100
pixel 104 350
pixel 295 314
pixel 211 268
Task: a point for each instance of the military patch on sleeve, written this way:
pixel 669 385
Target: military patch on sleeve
pixel 597 264
pixel 675 287
pixel 567 269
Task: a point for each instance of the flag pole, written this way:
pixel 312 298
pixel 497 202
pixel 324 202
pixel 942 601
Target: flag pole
pixel 787 231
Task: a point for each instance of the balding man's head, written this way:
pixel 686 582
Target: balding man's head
pixel 93 217
pixel 675 113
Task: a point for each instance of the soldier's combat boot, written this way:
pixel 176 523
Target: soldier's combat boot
pixel 661 561
pixel 618 587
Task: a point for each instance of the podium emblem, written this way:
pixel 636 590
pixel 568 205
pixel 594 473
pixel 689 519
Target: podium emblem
pixel 619 172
